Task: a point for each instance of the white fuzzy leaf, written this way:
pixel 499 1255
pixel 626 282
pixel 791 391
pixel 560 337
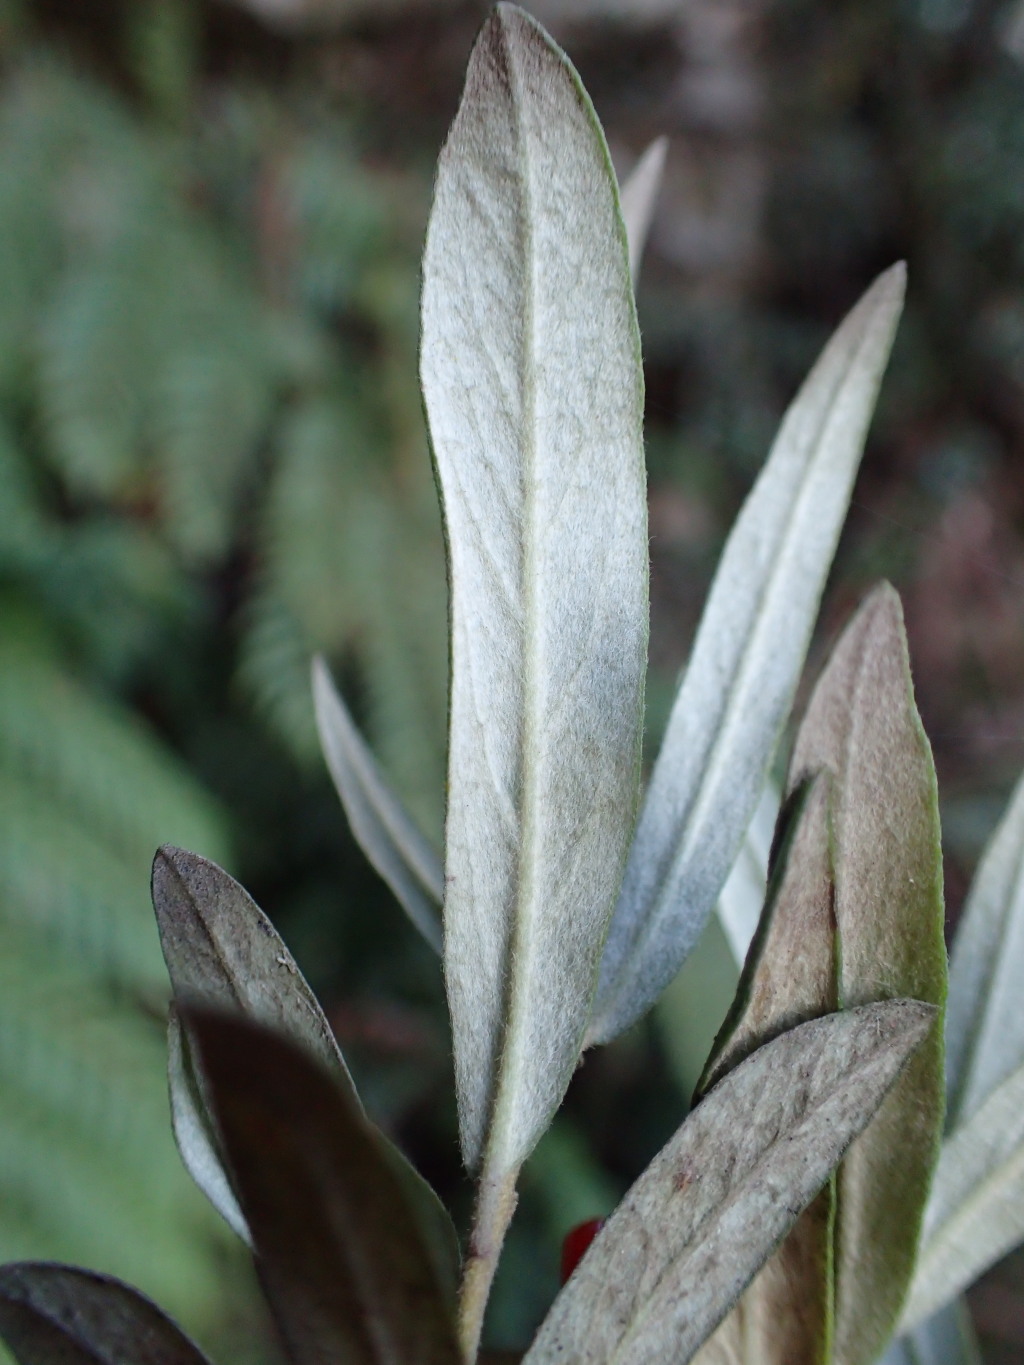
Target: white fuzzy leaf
pixel 947 1338
pixel 639 196
pixel 746 659
pixel 534 396
pixel 382 827
pixel 742 898
pixel 191 1127
pixel 703 1218
pixel 976 1212
pixel 984 1019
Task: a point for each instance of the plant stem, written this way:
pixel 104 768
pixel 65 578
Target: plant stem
pixel 495 1205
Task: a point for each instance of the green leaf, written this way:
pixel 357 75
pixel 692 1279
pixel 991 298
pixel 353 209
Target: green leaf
pixel 976 1212
pixel 384 830
pixel 534 396
pixel 707 1212
pixel 984 1021
pixel 339 1249
pixel 222 950
pixel 638 197
pixel 862 728
pixel 743 670
pixel 60 1315
pixel 947 1338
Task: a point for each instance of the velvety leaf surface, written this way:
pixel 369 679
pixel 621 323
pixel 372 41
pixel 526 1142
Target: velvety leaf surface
pixel 707 1212
pixel 382 827
pixel 862 728
pixel 784 1318
pixel 339 1251
pixel 60 1315
pixel 639 197
pixel 222 950
pixel 534 397
pixel 743 669
pixel 976 1211
pixel 984 1019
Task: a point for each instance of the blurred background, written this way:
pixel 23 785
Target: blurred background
pixel 213 463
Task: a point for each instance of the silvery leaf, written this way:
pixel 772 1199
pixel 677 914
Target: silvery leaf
pixel 742 897
pixel 639 196
pixel 705 1215
pixel 976 1211
pixel 534 397
pixel 984 1019
pixel 190 1124
pixel 743 669
pixel 382 827
pixel 946 1338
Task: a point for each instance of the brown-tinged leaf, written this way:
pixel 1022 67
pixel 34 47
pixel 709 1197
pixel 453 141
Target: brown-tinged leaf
pixel 340 1253
pixel 60 1315
pixel 790 976
pixel 705 1215
pixel 222 950
pixel 863 729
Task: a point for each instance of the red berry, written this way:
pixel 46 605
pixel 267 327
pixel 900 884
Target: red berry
pixel 576 1242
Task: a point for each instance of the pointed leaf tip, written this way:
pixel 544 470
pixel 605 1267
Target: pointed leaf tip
pixel 537 437
pixel 740 681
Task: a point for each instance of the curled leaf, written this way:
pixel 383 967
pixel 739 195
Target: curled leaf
pixel 702 1219
pixel 339 1248
pixel 534 396
pixel 383 828
pixel 60 1315
pixel 743 669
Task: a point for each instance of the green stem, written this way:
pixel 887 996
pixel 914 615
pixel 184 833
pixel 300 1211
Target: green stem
pixel 495 1205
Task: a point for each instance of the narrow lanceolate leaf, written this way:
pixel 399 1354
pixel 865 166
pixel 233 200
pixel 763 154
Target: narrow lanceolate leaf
pixel 984 1020
pixel 743 670
pixel 382 827
pixel 947 1338
pixel 222 950
pixel 338 1247
pixel 191 1126
pixel 534 395
pixel 976 1212
pixel 704 1216
pixel 784 1317
pixel 60 1315
pixel 862 728
pixel 742 897
pixel 639 196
